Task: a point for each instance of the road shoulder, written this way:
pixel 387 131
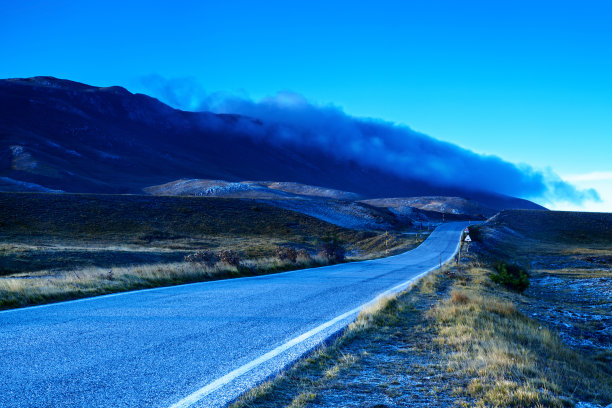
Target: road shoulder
pixel 455 339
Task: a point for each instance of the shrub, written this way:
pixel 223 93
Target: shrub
pixel 459 297
pixel 208 258
pixel 230 257
pixel 286 254
pixel 332 251
pixel 510 275
pixel 303 254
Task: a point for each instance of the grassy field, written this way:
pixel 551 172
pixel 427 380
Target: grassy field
pixel 526 235
pixel 560 227
pixel 459 339
pixel 511 359
pixel 65 246
pixel 39 231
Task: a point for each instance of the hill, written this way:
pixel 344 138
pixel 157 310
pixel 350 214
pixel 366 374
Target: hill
pixel 62 135
pixel 39 230
pixel 532 237
pixel 456 206
pixel 562 227
pixel 329 205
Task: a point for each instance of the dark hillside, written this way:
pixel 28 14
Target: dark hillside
pixel 63 135
pixel 125 218
pixel 40 231
pixel 556 226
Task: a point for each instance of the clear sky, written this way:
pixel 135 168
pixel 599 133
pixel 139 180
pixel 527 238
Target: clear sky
pixel 529 81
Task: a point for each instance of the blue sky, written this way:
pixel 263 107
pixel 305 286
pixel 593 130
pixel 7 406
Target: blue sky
pixel 528 81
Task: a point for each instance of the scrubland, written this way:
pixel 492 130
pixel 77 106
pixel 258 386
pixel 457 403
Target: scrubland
pixel 65 246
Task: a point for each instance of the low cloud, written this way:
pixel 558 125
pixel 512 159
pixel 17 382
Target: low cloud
pixel 289 119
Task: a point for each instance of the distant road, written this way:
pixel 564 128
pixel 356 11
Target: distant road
pixel 196 345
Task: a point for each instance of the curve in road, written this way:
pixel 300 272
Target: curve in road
pixel 193 345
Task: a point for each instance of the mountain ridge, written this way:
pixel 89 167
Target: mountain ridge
pixel 64 135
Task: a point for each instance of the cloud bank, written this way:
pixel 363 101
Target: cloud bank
pixel 289 119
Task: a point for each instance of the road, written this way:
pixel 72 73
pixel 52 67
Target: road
pixel 192 345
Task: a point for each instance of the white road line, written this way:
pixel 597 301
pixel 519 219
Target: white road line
pixel 218 383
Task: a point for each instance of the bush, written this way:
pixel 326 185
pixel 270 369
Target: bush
pixel 332 251
pixel 208 258
pixel 511 275
pixel 303 254
pixel 286 254
pixel 230 257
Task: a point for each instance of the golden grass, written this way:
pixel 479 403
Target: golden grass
pixel 429 282
pixel 500 357
pixel 46 286
pixel 381 245
pixel 70 280
pixel 374 315
pixel 513 360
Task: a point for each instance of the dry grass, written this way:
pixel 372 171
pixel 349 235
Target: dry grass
pixel 71 277
pixel 302 400
pixel 383 311
pixel 323 365
pixel 495 355
pixel 47 286
pixel 430 282
pixel 61 247
pixel 67 246
pixel 512 360
pixel 381 245
pixel 490 354
pixel 67 231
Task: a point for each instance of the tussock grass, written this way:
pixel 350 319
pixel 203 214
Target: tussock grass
pixel 512 360
pixel 429 283
pixel 70 276
pixel 302 400
pixel 488 351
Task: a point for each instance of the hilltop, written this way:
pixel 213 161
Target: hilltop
pixel 60 135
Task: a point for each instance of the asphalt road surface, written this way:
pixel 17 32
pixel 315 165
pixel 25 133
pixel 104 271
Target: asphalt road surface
pixel 192 345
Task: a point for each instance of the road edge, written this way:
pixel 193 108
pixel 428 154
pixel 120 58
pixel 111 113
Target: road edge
pixel 204 396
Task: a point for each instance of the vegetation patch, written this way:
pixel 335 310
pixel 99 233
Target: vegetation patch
pixel 511 276
pixel 30 289
pixel 457 339
pixel 66 246
pixel 510 359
